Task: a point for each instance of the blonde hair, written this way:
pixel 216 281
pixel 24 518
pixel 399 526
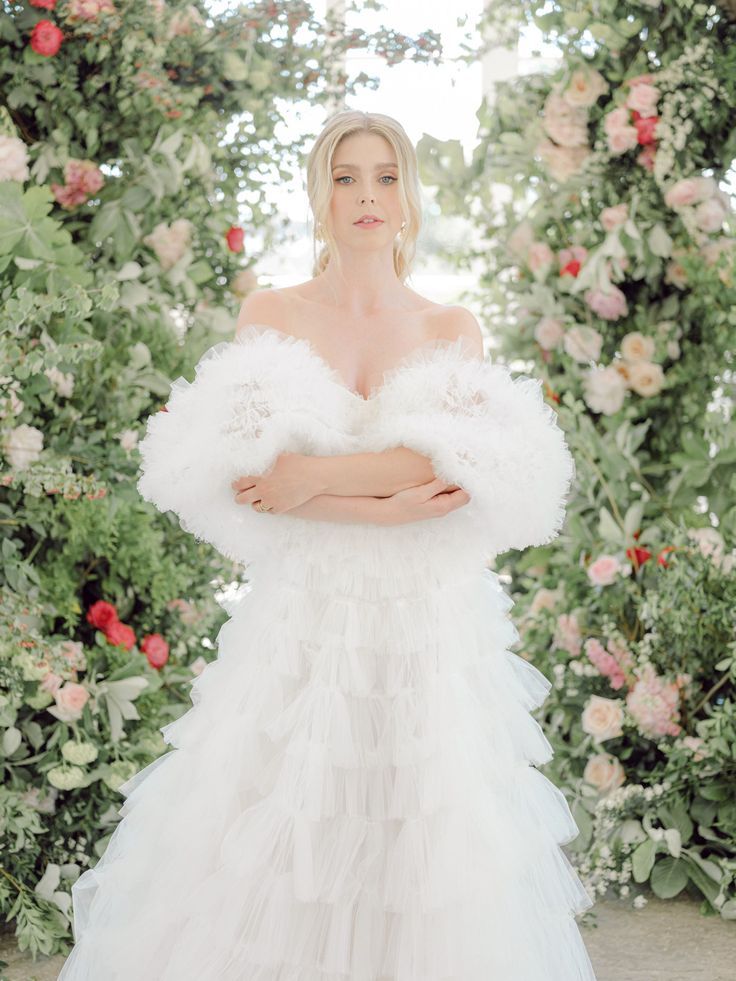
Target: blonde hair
pixel 320 184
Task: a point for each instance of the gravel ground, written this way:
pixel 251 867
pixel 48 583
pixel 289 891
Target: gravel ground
pixel 666 941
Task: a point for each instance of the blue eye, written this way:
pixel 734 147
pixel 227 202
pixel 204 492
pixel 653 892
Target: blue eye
pixel 347 177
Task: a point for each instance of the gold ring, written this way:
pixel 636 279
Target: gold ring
pixel 260 506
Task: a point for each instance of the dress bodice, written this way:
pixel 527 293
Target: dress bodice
pixel 268 392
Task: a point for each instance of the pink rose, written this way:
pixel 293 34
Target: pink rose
pixel 604 570
pixel 613 217
pixel 643 97
pixel 540 256
pixel 610 304
pixel 70 700
pixel 689 191
pixel 51 682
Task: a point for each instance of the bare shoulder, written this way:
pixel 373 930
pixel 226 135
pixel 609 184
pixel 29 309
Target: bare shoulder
pixel 457 321
pixel 264 307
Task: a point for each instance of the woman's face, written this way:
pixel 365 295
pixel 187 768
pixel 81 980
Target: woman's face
pixel 365 177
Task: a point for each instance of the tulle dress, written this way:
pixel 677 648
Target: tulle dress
pixel 352 795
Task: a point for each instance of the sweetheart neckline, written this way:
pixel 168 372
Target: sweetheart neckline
pixel 440 343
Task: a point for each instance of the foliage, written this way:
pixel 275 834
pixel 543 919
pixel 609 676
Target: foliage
pixel 608 268
pixel 138 142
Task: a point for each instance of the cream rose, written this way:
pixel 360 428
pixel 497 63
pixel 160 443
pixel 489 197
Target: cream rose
pixel 585 88
pixel 583 343
pixel 603 718
pixel 604 772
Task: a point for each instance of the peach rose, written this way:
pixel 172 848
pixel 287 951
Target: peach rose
pixel 637 347
pixel 689 191
pixel 604 772
pixel 646 378
pixel 603 718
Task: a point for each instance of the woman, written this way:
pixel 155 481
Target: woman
pixel 353 793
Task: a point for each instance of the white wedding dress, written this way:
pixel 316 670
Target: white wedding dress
pixel 352 795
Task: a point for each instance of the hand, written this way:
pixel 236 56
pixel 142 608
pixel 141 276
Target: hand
pixel 431 500
pixel 286 485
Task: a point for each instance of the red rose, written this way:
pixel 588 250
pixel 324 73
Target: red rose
pixel 645 129
pixel 156 650
pixel 638 556
pixel 46 4
pixel 120 635
pixel 102 614
pixel 46 38
pixel 572 267
pixel 235 238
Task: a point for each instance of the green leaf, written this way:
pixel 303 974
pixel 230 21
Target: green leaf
pixel 642 860
pixel 669 877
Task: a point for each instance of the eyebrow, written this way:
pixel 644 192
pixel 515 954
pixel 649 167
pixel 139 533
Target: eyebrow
pixel 354 167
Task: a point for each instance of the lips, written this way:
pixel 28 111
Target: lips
pixel 368 220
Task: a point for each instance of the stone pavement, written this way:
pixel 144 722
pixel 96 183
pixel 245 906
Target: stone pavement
pixel 666 941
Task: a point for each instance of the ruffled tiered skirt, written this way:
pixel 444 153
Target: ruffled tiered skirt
pixel 352 795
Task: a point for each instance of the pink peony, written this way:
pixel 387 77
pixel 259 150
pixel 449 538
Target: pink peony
pixel 654 704
pixel 51 682
pixel 567 634
pixel 689 191
pixel 605 662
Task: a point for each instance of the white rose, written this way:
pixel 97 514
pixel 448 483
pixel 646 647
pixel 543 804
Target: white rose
pixel 63 384
pixel 583 343
pixel 13 159
pixel 604 390
pixel 170 242
pixel 637 347
pixel 129 439
pixel 602 718
pixel 23 445
pixel 710 215
pixel 646 378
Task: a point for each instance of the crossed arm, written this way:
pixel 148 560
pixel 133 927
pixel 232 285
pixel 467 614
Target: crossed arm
pixel 394 486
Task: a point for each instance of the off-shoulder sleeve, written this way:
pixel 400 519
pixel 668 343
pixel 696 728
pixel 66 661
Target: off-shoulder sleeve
pixel 245 406
pixel 489 433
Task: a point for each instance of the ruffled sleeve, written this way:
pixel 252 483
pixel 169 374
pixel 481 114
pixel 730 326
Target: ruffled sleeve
pixel 489 433
pixel 251 399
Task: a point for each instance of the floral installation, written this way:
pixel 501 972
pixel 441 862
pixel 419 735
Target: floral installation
pixel 128 187
pixel 608 268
